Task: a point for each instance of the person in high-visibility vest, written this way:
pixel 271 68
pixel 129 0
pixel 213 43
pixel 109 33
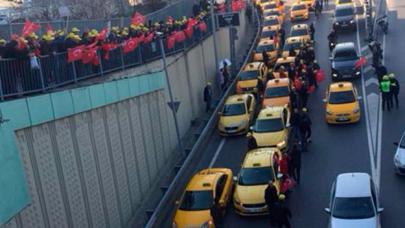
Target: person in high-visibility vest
pixel 385 88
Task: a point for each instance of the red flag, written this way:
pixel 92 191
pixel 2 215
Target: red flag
pixel 237 5
pixel 137 19
pixel 361 62
pixel 202 26
pixel 130 45
pixel 141 38
pixel 320 75
pixel 149 38
pixel 170 41
pixel 221 8
pixel 107 47
pixel 90 56
pixel 191 22
pixel 102 35
pixel 75 54
pixel 189 31
pixel 180 36
pixel 29 27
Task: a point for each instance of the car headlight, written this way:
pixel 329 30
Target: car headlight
pixel 328 112
pixel 358 72
pixel 352 21
pixel 334 75
pixel 336 23
pixel 397 162
pixel 356 110
pixel 207 224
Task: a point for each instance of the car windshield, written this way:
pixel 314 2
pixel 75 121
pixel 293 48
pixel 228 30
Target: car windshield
pixel 196 200
pixel 345 1
pixel 345 55
pixel 255 176
pixel 344 12
pixel 234 109
pixel 273 92
pixel 294 46
pixel 353 208
pixel 248 75
pixel 267 47
pixel 266 34
pixel 270 6
pixel 299 32
pixel 272 13
pixel 342 97
pixel 298 7
pixel 269 125
pixel 270 22
pixel 402 145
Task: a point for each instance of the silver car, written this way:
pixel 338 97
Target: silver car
pixel 353 202
pixel 399 157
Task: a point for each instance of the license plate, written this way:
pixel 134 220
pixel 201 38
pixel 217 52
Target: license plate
pixel 342 119
pixel 255 210
pixel 347 76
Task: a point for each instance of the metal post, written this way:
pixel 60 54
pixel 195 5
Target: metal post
pixel 213 36
pixel 1 91
pixel 101 64
pixel 74 72
pixel 171 95
pixel 122 59
pixel 41 75
pixel 232 50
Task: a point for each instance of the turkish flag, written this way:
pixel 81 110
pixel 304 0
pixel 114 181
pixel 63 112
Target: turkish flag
pixel 141 38
pixel 320 75
pixel 170 41
pixel 149 38
pixel 102 35
pixel 191 22
pixel 180 36
pixel 130 45
pixel 90 56
pixel 29 27
pixel 202 26
pixel 361 62
pixel 137 19
pixel 189 31
pixel 107 47
pixel 75 54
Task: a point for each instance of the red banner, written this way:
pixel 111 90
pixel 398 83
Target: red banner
pixel 189 31
pixel 170 41
pixel 137 19
pixel 361 62
pixel 107 47
pixel 202 26
pixel 75 54
pixel 102 35
pixel 141 38
pixel 90 56
pixel 149 38
pixel 130 45
pixel 237 5
pixel 29 27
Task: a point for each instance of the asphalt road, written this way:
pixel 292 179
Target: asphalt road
pixel 335 149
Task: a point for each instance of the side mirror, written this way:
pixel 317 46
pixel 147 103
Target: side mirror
pixel 327 210
pixel 324 100
pixel 177 203
pixel 379 210
pixel 235 178
pixel 281 145
pixel 396 144
pixel 252 128
pixel 219 113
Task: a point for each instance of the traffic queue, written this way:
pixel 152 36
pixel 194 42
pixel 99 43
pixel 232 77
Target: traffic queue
pixel 269 107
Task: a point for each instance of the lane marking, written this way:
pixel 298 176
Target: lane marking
pixel 372 80
pixel 214 159
pixel 365 106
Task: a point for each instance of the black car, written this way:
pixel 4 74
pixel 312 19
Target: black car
pixel 344 59
pixel 344 17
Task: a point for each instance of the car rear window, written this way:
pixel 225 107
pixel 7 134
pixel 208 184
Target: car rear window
pixel 270 22
pixel 256 176
pixel 299 32
pixel 353 208
pixel 273 92
pixel 268 125
pixel 234 109
pixel 299 7
pixel 197 200
pixel 345 55
pixel 262 48
pixel 248 75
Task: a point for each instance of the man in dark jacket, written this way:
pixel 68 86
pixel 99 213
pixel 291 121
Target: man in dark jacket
pixel 281 213
pixel 295 166
pixel 216 214
pixel 266 58
pixel 394 87
pixel 208 96
pixel 271 196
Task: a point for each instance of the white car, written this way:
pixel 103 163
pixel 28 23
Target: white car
pixel 399 157
pixel 353 202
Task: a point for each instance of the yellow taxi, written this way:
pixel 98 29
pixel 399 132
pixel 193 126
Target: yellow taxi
pixel 309 3
pixel 272 127
pixel 273 22
pixel 282 65
pixel 299 11
pixel 268 32
pixel 277 93
pixel 272 5
pixel 207 188
pixel 269 47
pixel 343 2
pixel 250 76
pixel 236 115
pixel 294 43
pixel 275 12
pixel 259 167
pixel 301 31
pixel 342 104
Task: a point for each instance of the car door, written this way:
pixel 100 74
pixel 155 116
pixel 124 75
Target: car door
pixel 221 195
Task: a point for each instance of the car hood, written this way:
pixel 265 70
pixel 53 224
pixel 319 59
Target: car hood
pixel 342 108
pixel 191 218
pixel 232 121
pixel 269 138
pixel 344 65
pixel 345 18
pixel 250 194
pixel 354 223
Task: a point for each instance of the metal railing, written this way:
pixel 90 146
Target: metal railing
pixel 176 10
pixel 162 210
pixel 18 76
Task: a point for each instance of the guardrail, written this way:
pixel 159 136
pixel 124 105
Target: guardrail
pixel 177 185
pixel 18 76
